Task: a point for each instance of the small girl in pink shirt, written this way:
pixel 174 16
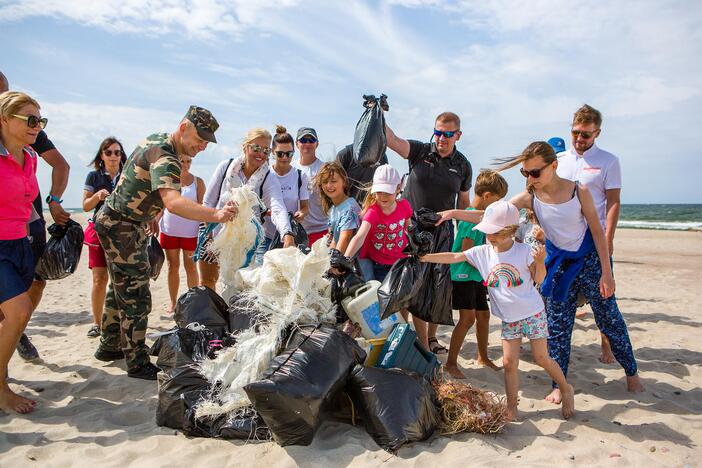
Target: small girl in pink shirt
pixel 383 232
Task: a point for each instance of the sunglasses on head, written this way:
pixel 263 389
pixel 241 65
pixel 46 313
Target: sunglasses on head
pixel 108 152
pixel 283 154
pixel 33 121
pixel 585 135
pixel 439 133
pixel 307 140
pixel 260 149
pixel 534 173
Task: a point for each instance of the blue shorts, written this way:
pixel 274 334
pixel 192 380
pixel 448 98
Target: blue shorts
pixel 372 270
pixel 16 268
pixel 37 241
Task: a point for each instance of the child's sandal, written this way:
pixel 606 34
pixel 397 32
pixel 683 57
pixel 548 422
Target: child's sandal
pixel 435 347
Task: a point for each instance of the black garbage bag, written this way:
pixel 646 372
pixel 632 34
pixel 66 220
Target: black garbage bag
pixel 300 383
pixel 204 306
pixel 62 253
pixel 156 257
pixel 243 314
pixel 182 347
pixel 172 386
pixel 244 424
pixel 344 284
pixel 369 140
pixel 432 302
pixel 297 231
pixel 406 277
pixel 397 407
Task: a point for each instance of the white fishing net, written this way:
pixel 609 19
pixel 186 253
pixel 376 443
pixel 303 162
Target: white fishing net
pixel 288 288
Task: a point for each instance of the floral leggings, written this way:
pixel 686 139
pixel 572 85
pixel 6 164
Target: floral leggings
pixel 561 315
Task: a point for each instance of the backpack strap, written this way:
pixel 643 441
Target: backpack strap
pixel 299 182
pixel 260 196
pixel 221 181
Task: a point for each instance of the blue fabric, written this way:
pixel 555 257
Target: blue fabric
pixel 344 217
pixel 16 268
pixel 572 263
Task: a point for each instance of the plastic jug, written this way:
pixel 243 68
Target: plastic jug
pixel 363 309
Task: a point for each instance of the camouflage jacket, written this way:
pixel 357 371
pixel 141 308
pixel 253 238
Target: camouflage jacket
pixel 153 165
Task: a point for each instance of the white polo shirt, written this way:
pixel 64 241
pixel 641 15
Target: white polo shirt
pixel 596 169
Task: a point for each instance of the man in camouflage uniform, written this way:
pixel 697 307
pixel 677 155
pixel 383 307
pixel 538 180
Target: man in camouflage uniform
pixel 150 181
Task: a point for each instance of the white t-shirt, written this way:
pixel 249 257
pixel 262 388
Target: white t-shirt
pixel 596 169
pixel 316 220
pixel 291 195
pixel 513 295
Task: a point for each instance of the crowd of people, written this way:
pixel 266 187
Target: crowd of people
pixel 534 284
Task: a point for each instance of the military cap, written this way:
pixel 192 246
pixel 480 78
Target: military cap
pixel 205 123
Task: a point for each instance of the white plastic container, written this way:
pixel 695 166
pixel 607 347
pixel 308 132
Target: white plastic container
pixel 363 309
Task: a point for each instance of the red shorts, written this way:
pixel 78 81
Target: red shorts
pixel 315 236
pixel 172 242
pixel 96 257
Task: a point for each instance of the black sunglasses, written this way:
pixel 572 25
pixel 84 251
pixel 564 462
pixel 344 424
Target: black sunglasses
pixel 283 154
pixel 585 135
pixel 439 133
pixel 307 140
pixel 33 121
pixel 108 152
pixel 534 173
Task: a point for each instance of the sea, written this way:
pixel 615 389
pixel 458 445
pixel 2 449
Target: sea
pixel 672 217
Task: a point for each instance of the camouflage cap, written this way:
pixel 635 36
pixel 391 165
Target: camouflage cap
pixel 305 131
pixel 205 123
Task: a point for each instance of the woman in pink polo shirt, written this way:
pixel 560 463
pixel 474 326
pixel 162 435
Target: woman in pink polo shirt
pixel 20 123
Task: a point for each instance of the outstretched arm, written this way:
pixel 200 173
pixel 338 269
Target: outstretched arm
pixel 59 181
pixel 444 257
pixel 397 144
pixel 357 241
pixel 593 222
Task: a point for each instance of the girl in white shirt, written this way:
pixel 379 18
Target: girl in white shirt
pixel 509 270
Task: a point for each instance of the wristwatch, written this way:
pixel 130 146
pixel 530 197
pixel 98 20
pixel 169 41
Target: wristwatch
pixel 53 198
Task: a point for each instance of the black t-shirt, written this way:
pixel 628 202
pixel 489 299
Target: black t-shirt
pixel 98 180
pixel 361 177
pixel 41 145
pixel 434 182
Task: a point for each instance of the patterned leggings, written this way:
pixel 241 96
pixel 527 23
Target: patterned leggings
pixel 561 315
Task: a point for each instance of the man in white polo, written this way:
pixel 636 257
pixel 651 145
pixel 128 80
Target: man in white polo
pixel 600 172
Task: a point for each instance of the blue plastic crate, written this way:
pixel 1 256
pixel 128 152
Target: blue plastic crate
pixel 402 350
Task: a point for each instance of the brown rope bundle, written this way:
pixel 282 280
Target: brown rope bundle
pixel 464 408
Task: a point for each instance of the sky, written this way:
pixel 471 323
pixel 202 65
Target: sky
pixel 514 71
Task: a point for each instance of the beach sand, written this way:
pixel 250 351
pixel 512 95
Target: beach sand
pixel 89 412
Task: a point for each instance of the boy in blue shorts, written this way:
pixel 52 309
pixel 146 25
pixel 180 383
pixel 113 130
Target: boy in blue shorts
pixel 469 292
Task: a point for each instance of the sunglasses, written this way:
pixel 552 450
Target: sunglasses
pixel 283 154
pixel 109 153
pixel 585 135
pixel 533 173
pixel 307 140
pixel 33 121
pixel 260 149
pixel 439 133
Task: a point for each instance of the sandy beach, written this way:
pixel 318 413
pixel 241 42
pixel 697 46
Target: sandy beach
pixel 89 412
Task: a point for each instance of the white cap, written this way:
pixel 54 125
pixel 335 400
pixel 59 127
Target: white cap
pixel 498 216
pixel 386 179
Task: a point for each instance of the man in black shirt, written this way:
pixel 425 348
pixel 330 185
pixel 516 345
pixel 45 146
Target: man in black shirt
pixel 360 176
pixel 439 179
pixel 37 229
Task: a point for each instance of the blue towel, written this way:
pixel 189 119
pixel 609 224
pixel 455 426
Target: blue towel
pixel 555 257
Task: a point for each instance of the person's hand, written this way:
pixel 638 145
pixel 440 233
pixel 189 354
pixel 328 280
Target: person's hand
pixel 539 234
pixel 59 215
pixel 102 194
pixel 152 228
pixel 298 216
pixel 539 253
pixel 336 272
pixel 606 286
pixel 445 216
pixel 288 240
pixel 227 213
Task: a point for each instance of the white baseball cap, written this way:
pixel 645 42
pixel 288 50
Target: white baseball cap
pixel 498 216
pixel 386 179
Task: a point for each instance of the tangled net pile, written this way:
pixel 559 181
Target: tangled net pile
pixel 288 289
pixel 464 408
pixel 235 244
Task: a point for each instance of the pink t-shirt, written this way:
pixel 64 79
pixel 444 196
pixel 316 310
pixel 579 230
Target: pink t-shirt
pixel 19 189
pixel 388 233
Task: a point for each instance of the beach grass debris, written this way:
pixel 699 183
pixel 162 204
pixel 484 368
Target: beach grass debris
pixel 464 408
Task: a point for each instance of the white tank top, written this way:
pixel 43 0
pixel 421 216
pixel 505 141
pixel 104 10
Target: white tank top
pixel 176 226
pixel 563 223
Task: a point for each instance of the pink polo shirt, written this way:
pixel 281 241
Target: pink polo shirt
pixel 19 189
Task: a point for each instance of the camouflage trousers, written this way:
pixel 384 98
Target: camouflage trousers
pixel 128 300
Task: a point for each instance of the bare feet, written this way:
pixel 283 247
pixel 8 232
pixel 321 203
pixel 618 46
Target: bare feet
pixel 454 371
pixel 554 396
pixel 568 403
pixel 487 363
pixel 633 384
pixel 607 357
pixel 10 401
pixel 512 413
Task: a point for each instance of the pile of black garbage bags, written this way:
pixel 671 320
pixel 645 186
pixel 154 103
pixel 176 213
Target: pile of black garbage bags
pixel 318 376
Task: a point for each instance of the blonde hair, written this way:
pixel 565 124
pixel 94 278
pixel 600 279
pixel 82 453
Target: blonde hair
pixel 449 117
pixel 509 231
pixel 536 149
pixel 490 181
pixel 586 115
pixel 327 170
pixel 254 134
pixel 12 101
